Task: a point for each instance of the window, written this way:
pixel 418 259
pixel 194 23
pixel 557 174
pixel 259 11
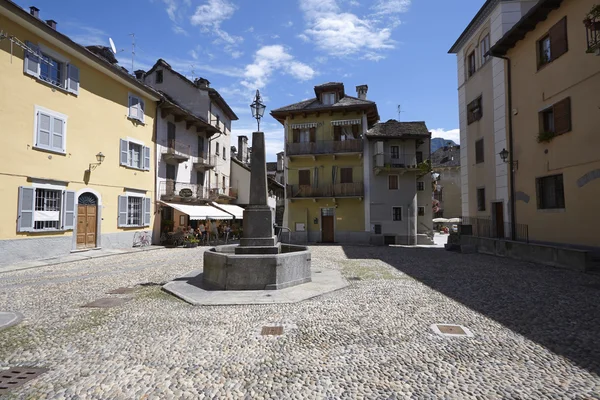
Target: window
pixel 50 130
pixel 304 136
pixel 328 98
pixel 554 44
pixel 419 157
pixel 393 182
pixel 484 47
pixel 224 183
pixel 550 192
pixel 42 209
pixel 421 211
pixel 396 213
pixel 471 66
pixel 481 199
pixel 557 118
pixel 346 175
pixel 395 150
pixel 135 155
pixel 200 178
pixel 51 67
pixel 136 108
pixel 134 211
pixel 217 148
pixel 224 153
pixel 159 76
pixel 474 111
pixel 420 186
pixel 479 153
pixel 377 228
pixel 304 177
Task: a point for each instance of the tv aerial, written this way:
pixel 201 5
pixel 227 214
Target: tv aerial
pixel 114 48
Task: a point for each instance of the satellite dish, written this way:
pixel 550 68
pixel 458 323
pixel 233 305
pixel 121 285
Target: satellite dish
pixel 112 45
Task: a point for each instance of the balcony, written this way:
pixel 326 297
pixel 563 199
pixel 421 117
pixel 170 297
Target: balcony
pixel 204 161
pixel 183 192
pixel 223 193
pixel 398 163
pixel 321 147
pixel 176 152
pixel 355 189
pixel 592 33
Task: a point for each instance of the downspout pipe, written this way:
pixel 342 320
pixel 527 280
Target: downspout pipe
pixel 513 219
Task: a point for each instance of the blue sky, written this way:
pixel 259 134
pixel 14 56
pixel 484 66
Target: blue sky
pixel 286 47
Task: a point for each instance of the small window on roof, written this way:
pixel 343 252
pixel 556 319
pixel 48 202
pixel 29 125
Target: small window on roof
pixel 328 98
pixel 159 76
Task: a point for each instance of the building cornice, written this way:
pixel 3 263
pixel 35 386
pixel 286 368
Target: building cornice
pixel 484 12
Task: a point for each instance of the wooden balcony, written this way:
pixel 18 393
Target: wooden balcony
pixel 223 193
pixel 321 147
pixel 394 162
pixel 354 189
pixel 175 152
pixel 204 161
pixel 182 192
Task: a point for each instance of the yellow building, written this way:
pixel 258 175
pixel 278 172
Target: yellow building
pixel 325 173
pixel 554 85
pixel 77 170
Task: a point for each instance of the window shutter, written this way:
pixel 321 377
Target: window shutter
pixel 147 158
pixel 31 62
pixel 562 116
pixel 313 135
pixel 58 134
pixel 558 39
pixel 296 135
pixel 68 209
pixel 124 152
pixel 304 177
pixel 133 107
pixel 316 177
pixel 122 221
pixel 141 110
pixel 73 79
pixel 26 208
pixel 44 127
pixel 146 204
pixel 333 174
pixel 337 133
pixel 346 175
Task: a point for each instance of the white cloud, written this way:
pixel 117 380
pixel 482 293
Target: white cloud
pixel 179 30
pixel 269 59
pixel 452 134
pixel 345 34
pixel 171 9
pixel 209 18
pixel 87 36
pixel 288 24
pixel 193 53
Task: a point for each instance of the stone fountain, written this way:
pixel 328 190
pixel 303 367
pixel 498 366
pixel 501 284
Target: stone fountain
pixel 259 262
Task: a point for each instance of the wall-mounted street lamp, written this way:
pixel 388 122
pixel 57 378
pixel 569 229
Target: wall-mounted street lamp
pixel 258 109
pixel 99 158
pixel 504 157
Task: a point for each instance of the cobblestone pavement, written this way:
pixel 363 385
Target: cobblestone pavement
pixel 536 331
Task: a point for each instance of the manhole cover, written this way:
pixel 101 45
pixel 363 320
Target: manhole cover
pixel 13 378
pixel 106 302
pixel 122 290
pixel 271 330
pixel 451 330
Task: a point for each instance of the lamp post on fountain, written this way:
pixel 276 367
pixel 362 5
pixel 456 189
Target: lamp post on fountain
pixel 258 109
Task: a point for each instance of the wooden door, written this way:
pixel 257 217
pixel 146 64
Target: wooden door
pixel 86 226
pixel 499 213
pixel 327 232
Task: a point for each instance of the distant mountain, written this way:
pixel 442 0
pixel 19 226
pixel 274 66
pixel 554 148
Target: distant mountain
pixel 438 142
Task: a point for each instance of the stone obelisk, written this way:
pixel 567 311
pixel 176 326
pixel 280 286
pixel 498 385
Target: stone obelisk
pixel 258 236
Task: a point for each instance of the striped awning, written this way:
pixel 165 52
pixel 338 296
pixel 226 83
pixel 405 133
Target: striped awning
pixel 346 122
pixel 303 126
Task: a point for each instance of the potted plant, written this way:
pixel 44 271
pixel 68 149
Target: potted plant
pixel 190 242
pixel 167 224
pixel 592 18
pixel 545 137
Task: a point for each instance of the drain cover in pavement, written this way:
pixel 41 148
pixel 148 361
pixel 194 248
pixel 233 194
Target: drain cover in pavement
pixel 451 330
pixel 271 330
pixel 15 377
pixel 106 302
pixel 122 290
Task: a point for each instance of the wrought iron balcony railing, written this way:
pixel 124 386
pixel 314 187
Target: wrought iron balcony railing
pixel 325 147
pixel 395 161
pixel 204 161
pixel 354 189
pixel 182 191
pixel 592 33
pixel 176 152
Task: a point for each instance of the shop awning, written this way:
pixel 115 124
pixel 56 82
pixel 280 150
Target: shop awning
pixel 200 212
pixel 236 211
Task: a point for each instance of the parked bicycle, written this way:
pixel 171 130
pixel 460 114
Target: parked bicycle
pixel 142 239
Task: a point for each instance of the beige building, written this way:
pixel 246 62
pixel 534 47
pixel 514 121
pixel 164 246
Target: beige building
pixel 555 83
pixel 445 162
pixel 482 112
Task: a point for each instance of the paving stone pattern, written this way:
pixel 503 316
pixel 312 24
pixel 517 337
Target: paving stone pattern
pixel 535 331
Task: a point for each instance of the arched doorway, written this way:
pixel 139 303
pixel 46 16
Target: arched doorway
pixel 87 220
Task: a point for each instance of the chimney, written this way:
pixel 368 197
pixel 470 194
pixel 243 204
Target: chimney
pixel 242 153
pixel 33 10
pixel 139 74
pixel 51 23
pixel 202 83
pixel 361 92
pixel 280 162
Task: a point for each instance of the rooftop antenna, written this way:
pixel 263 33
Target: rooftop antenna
pixel 399 111
pixel 193 71
pixel 132 49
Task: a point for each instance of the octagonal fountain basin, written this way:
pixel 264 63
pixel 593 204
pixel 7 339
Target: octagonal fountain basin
pixel 226 270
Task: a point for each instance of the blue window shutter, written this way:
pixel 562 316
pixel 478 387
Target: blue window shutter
pixel 133 107
pixel 147 214
pixel 147 158
pixel 122 222
pixel 58 134
pixel 26 208
pixel 43 137
pixel 124 152
pixel 68 209
pixel 31 62
pixel 73 79
pixel 141 110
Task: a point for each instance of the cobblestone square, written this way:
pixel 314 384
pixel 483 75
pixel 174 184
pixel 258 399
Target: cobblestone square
pixel 536 331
